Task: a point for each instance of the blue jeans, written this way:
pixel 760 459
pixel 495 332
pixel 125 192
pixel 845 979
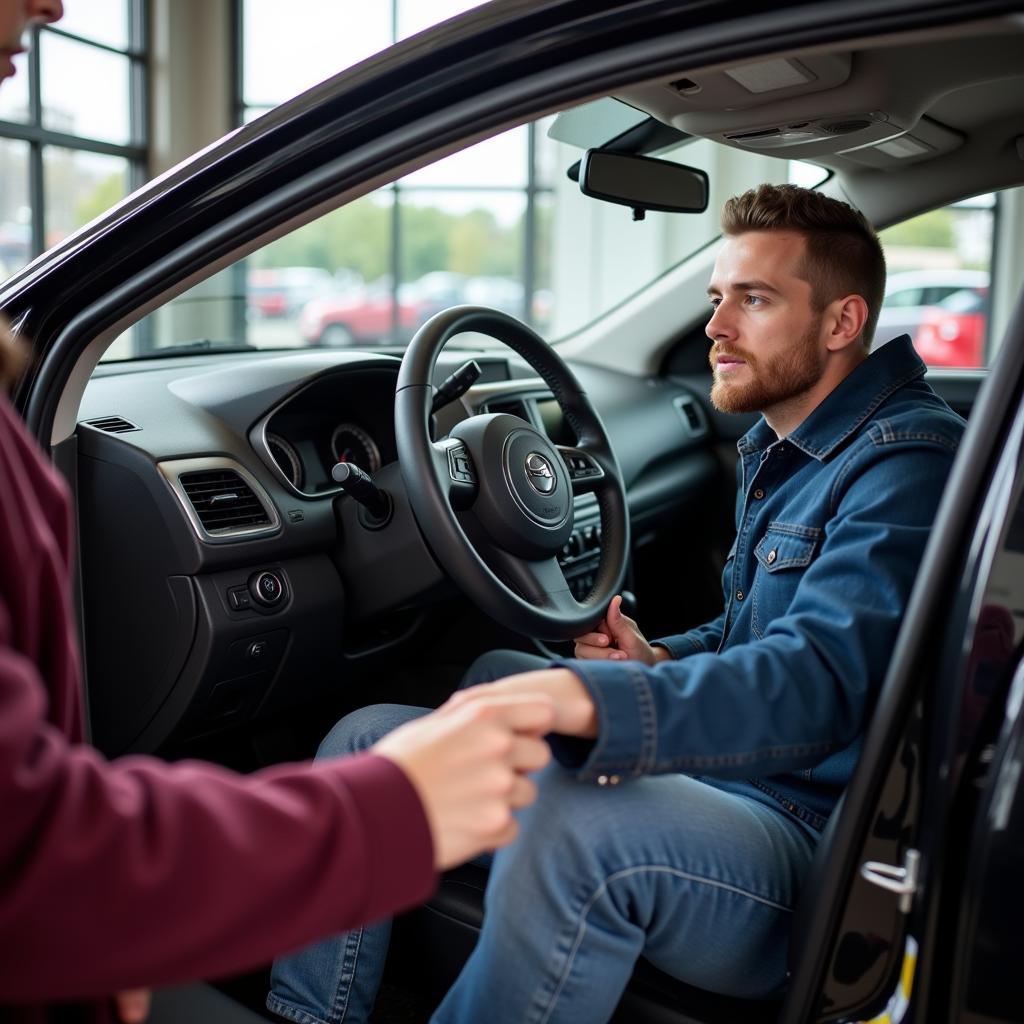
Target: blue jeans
pixel 699 881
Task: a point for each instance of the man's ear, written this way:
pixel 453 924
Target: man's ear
pixel 844 321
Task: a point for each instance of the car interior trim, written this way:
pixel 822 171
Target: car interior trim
pixel 172 471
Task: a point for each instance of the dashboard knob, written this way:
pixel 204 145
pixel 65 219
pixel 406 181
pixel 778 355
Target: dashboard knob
pixel 267 588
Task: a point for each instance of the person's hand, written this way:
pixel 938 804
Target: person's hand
pixel 618 638
pixel 574 713
pixel 132 1005
pixel 468 764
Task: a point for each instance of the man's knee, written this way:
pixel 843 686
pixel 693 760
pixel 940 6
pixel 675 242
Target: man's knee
pixel 568 815
pixel 498 664
pixel 361 729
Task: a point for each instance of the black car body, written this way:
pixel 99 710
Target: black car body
pixel 916 892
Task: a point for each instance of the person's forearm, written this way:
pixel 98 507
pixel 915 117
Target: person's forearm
pixel 235 868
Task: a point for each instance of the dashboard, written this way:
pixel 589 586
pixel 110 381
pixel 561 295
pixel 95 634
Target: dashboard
pixel 325 423
pixel 228 580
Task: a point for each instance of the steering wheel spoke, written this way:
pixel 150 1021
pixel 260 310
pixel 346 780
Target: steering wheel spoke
pixel 585 472
pixel 541 582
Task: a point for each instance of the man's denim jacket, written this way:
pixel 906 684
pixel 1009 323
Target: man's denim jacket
pixel 772 698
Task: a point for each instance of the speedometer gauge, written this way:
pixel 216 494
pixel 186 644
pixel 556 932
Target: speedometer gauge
pixel 350 443
pixel 287 458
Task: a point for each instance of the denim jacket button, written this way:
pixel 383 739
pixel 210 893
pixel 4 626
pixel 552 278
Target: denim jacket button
pixel 602 780
pixel 739 595
pixel 759 494
pixel 772 555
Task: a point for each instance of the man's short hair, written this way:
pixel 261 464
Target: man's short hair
pixel 844 255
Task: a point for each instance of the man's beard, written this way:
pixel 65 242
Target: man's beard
pixel 779 379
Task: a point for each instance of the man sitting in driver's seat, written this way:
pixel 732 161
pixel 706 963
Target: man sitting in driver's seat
pixel 695 774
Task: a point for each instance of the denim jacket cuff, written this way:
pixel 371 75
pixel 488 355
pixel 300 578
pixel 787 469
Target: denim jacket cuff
pixel 680 646
pixel 627 737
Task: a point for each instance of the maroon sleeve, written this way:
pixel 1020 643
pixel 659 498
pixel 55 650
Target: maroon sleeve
pixel 137 872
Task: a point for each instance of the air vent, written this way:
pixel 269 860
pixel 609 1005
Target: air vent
pixel 761 133
pixel 691 414
pixel 845 127
pixel 112 424
pixel 223 501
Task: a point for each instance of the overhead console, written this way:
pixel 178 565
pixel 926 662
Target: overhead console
pixel 876 108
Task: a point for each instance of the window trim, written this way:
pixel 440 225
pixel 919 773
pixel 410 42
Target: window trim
pixel 38 137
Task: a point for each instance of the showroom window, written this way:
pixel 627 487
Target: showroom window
pixel 72 126
pixel 465 229
pixel 499 224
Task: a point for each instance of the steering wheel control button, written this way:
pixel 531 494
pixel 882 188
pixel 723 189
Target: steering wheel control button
pixel 460 467
pixel 267 588
pixel 582 467
pixel 463 477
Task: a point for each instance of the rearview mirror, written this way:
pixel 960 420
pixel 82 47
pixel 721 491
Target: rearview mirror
pixel 643 182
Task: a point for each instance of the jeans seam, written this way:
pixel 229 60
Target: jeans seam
pixel 343 993
pixel 602 889
pixel 291 1012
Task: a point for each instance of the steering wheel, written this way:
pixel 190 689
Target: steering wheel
pixel 495 498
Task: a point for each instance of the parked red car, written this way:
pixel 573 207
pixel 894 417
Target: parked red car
pixel 952 333
pixel 283 291
pixel 361 316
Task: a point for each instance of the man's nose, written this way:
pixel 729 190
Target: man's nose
pixel 719 325
pixel 46 11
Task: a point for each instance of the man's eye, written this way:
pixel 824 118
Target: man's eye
pixel 755 300
pixel 715 302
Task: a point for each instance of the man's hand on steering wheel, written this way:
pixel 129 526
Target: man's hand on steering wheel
pixel 618 638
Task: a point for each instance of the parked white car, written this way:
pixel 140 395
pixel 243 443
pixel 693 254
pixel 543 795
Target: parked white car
pixel 911 293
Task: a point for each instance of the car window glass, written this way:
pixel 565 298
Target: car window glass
pixel 499 224
pixel 904 297
pixel 944 252
pixel 966 300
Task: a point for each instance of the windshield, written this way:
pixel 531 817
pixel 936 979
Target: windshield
pixel 499 224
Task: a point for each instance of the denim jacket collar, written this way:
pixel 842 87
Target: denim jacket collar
pixel 848 406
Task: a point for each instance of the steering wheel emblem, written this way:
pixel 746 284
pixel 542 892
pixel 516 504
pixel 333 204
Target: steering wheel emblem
pixel 540 473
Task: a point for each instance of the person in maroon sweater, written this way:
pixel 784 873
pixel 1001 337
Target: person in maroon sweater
pixel 135 872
